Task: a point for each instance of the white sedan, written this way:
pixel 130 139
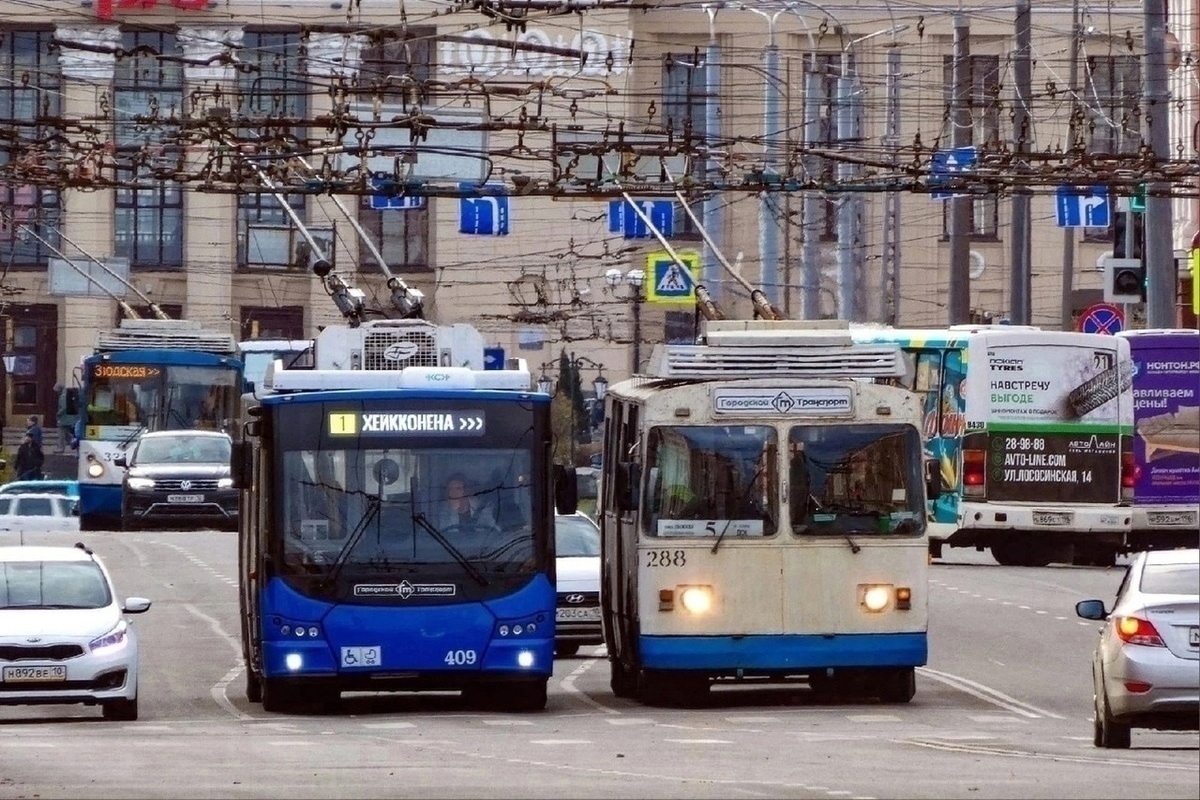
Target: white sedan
pixel 39 513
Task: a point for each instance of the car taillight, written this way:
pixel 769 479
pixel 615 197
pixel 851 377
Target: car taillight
pixel 1133 630
pixel 1129 472
pixel 974 472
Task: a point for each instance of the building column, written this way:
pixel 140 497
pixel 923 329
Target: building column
pixel 210 246
pixel 87 217
pixel 331 56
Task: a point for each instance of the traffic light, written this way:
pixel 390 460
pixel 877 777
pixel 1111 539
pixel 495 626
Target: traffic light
pixel 1125 281
pixel 1129 234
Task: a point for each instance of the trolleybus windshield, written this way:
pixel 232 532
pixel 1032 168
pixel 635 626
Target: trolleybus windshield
pixel 855 479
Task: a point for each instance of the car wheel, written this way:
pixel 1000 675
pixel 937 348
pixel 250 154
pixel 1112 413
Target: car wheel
pixel 1107 732
pixel 121 710
pixel 566 650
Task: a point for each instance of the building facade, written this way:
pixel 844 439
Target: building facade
pixel 134 134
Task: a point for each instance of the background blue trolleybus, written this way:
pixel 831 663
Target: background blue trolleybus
pixel 352 577
pixel 147 375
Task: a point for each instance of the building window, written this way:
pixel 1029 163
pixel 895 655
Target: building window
pixel 983 103
pixel 396 72
pixel 30 90
pixel 275 95
pixel 269 322
pixel 1113 86
pixel 684 115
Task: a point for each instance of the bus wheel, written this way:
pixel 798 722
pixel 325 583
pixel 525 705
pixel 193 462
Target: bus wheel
pixel 897 685
pixel 277 698
pixel 623 681
pixel 254 691
pixel 1007 553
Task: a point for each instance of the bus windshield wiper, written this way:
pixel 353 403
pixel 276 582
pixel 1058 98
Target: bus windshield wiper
pixel 138 432
pixel 721 536
pixel 419 519
pixel 343 556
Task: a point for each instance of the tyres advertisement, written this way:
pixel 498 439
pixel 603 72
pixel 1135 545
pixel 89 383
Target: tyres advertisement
pixel 1166 409
pixel 1056 414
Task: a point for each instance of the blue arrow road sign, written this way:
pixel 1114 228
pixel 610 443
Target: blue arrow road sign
pixel 1083 207
pixel 486 214
pixel 947 163
pixel 624 220
pixel 493 358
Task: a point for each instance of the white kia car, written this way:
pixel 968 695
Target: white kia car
pixel 63 635
pixel 577 564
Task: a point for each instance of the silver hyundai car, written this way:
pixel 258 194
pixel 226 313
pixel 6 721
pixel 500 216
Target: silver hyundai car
pixel 1146 668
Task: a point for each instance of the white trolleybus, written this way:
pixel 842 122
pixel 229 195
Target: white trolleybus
pixel 763 517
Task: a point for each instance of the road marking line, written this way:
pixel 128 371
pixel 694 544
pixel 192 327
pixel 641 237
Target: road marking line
pixel 568 685
pixel 995 718
pixel 630 721
pixel 987 693
pixel 997 751
pixel 218 689
pixel 872 718
pixel 698 741
pixel 560 741
pixel 753 720
pixel 382 726
pixel 508 722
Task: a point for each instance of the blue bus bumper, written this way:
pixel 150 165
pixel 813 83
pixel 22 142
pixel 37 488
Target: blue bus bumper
pixel 100 499
pixel 784 653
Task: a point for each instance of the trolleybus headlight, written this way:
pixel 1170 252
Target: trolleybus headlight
pixel 95 468
pixel 137 484
pixel 875 596
pixel 696 599
pixel 293 661
pixel 525 659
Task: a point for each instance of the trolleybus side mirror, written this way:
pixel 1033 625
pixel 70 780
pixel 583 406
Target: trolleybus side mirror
pixel 120 461
pixel 629 481
pixel 566 489
pixel 933 479
pixel 239 463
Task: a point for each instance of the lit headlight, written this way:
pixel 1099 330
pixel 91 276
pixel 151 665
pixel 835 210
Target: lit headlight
pixel 95 469
pixel 696 599
pixel 114 638
pixel 225 483
pixel 138 484
pixel 875 596
pixel 293 661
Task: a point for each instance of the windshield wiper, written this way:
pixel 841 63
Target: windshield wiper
pixel 343 556
pixel 125 442
pixel 418 518
pixel 721 536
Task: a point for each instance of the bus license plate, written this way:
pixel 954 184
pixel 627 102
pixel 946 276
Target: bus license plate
pixel 1051 518
pixel 577 614
pixel 1171 517
pixel 34 674
pixel 185 498
pixel 1194 637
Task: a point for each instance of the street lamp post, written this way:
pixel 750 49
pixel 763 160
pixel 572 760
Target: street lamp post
pixel 547 385
pixel 634 278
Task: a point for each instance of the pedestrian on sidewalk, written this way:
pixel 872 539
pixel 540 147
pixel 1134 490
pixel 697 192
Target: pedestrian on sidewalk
pixel 29 460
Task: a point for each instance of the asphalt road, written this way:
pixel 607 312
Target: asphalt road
pixel 1002 710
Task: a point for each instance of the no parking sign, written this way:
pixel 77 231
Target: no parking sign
pixel 1101 318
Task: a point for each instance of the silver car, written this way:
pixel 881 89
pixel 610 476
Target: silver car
pixel 1146 668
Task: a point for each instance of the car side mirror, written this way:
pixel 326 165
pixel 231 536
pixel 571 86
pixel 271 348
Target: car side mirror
pixel 1091 609
pixel 933 479
pixel 135 605
pixel 566 489
pixel 120 461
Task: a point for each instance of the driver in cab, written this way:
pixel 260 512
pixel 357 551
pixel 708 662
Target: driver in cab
pixel 462 510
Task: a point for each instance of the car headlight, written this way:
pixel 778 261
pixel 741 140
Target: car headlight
pixel 114 638
pixel 138 484
pixel 696 599
pixel 95 469
pixel 225 483
pixel 875 596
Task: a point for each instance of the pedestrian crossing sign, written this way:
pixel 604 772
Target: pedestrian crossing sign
pixel 669 281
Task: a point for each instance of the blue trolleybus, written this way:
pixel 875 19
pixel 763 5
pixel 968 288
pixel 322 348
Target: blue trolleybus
pixel 397 522
pixel 148 375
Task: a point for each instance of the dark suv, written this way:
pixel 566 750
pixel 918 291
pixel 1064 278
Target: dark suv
pixel 176 479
